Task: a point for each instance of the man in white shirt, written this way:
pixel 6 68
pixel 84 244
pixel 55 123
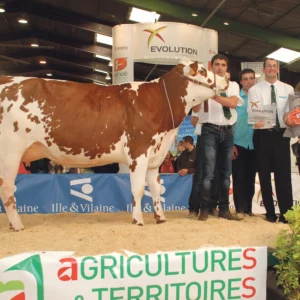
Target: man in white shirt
pixel 272 149
pixel 217 115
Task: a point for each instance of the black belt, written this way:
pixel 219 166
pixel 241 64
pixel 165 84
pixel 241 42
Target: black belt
pixel 273 129
pixel 218 127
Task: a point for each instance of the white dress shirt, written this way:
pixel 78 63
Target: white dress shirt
pixel 198 125
pixel 261 93
pixel 215 114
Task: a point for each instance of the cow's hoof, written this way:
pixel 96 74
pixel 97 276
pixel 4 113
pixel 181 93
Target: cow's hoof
pixel 159 221
pixel 134 221
pixel 17 228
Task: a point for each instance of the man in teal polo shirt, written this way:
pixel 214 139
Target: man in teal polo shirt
pixel 243 156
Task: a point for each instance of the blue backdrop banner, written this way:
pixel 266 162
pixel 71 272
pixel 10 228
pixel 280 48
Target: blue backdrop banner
pixel 87 193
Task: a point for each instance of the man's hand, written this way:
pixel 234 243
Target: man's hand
pixel 183 172
pixel 292 119
pixel 217 98
pixel 234 153
pixel 259 124
pixel 197 108
pixel 230 102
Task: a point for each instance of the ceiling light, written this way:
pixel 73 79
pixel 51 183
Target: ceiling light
pixel 143 16
pixel 194 15
pixel 226 23
pixel 100 71
pixel 99 82
pixel 42 62
pixel 107 77
pixel 34 45
pixel 2 9
pixel 284 55
pixel 104 39
pixel 110 64
pixel 103 57
pixel 49 74
pixel 22 19
pixel 257 75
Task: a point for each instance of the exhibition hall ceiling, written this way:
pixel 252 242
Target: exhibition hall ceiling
pixel 64 31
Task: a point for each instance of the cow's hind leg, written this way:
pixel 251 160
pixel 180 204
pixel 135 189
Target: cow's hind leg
pixel 137 178
pixel 8 172
pixel 153 180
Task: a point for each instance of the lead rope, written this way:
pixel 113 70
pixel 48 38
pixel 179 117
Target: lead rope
pixel 169 104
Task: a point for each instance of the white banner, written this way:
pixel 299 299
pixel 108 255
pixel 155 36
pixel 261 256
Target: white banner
pixel 166 43
pixel 257 202
pixel 163 43
pixel 122 54
pixel 208 273
pixel 210 46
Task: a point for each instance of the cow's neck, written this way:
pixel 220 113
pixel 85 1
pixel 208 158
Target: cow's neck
pixel 174 90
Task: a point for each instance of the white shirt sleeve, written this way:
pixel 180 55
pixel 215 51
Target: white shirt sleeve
pixel 251 97
pixel 235 91
pixel 287 106
pixel 195 114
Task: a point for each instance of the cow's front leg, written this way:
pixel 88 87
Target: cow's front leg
pixel 137 177
pixel 153 180
pixel 7 187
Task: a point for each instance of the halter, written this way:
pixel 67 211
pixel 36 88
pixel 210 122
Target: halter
pixel 210 86
pixel 169 103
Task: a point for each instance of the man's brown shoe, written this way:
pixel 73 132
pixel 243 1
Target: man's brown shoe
pixel 214 212
pixel 228 216
pixel 192 215
pixel 203 215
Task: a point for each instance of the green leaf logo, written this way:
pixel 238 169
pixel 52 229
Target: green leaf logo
pixel 14 285
pixel 31 265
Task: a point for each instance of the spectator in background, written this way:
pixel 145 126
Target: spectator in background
pixel 55 168
pixel 108 169
pixel 40 166
pixel 22 169
pixel 168 164
pixel 186 162
pixel 180 149
pixel 293 107
pixel 243 156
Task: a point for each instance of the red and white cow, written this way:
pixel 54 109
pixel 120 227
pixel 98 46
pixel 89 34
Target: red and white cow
pixel 84 125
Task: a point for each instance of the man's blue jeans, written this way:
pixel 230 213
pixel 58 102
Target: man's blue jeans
pixel 216 141
pixel 194 203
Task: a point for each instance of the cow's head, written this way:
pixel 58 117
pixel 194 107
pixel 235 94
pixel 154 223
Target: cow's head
pixel 203 84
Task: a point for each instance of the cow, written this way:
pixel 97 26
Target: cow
pixel 85 125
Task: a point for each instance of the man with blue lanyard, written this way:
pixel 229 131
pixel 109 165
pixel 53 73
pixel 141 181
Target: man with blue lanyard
pixel 243 156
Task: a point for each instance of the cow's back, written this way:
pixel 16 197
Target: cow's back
pixel 78 118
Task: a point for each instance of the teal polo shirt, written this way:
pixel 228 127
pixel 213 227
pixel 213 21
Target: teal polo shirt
pixel 243 132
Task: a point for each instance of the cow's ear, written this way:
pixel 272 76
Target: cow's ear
pixel 194 68
pixel 186 70
pixel 203 72
pixel 185 61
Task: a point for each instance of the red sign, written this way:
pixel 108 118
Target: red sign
pixel 120 64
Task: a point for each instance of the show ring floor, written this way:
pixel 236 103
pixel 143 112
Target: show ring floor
pixel 100 233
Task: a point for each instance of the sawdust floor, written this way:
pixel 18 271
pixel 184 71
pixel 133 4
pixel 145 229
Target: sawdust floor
pixel 99 233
